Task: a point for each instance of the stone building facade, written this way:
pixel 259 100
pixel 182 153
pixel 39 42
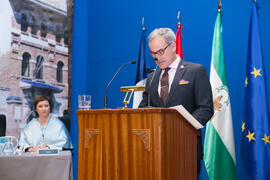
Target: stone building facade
pixel 36 61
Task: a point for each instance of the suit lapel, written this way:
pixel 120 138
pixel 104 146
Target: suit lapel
pixel 181 69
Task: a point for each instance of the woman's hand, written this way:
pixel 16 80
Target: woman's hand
pixel 36 148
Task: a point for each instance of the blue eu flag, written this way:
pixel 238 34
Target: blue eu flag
pixel 255 140
pixel 141 71
pixel 141 68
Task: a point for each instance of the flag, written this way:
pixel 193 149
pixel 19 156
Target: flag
pixel 179 48
pixel 219 152
pixel 255 136
pixel 141 71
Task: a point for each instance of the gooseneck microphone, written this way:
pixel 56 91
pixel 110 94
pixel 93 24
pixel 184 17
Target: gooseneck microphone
pixel 105 96
pixel 154 73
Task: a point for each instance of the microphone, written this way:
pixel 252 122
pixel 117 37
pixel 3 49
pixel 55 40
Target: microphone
pixel 149 69
pixel 155 70
pixel 105 96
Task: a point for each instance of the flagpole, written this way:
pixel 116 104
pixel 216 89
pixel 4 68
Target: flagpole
pixel 143 23
pixel 179 48
pixel 219 5
pixel 178 17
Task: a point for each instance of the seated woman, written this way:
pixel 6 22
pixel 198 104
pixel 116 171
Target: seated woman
pixel 46 131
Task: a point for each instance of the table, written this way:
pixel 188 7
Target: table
pixel 29 166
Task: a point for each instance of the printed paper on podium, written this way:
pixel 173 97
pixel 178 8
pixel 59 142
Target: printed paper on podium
pixel 188 116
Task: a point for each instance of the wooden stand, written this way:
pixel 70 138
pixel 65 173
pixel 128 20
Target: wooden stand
pixel 136 144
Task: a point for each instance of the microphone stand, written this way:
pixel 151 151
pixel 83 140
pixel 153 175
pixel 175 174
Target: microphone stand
pixel 148 96
pixel 105 96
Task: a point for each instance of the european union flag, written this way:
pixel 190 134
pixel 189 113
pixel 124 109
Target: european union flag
pixel 141 68
pixel 255 142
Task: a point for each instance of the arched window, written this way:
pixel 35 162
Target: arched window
pixel 25 64
pixel 24 23
pixel 38 73
pixel 59 72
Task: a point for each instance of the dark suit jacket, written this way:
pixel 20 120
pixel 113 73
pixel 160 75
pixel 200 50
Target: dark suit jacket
pixel 190 88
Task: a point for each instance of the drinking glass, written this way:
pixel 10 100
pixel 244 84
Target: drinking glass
pixel 84 102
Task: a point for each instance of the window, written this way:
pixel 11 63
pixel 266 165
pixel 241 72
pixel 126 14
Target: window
pixel 59 72
pixel 24 23
pixel 58 34
pixel 25 64
pixel 38 73
pixel 43 30
pixel 66 37
pixel 34 27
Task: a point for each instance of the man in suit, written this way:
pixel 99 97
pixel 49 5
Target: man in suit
pixel 177 82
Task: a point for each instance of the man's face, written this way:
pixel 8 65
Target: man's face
pixel 164 52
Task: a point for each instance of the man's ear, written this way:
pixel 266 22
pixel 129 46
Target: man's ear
pixel 173 46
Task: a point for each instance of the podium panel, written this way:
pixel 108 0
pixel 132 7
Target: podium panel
pixel 136 144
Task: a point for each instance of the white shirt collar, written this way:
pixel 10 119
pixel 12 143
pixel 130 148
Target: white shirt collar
pixel 175 63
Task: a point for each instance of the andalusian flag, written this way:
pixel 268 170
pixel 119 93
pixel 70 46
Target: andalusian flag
pixel 219 153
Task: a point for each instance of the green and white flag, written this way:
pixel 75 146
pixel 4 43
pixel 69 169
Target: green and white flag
pixel 219 153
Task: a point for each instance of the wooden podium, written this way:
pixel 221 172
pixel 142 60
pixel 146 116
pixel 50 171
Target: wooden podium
pixel 136 144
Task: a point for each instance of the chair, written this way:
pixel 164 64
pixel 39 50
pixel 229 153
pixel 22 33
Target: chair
pixel 66 121
pixel 2 125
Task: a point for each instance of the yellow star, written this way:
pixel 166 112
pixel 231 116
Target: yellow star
pixel 256 72
pixel 246 82
pixel 243 126
pixel 266 139
pixel 250 136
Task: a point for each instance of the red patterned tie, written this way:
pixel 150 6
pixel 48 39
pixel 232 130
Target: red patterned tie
pixel 164 86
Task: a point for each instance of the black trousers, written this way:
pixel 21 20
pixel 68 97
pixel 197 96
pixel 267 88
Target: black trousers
pixel 198 166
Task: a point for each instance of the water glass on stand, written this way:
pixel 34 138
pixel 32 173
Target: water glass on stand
pixel 84 102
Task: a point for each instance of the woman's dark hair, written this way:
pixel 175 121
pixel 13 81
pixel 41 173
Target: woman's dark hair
pixel 42 98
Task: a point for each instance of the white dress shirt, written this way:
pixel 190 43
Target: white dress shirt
pixel 171 73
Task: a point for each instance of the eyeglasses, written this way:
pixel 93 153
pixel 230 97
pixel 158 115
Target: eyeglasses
pixel 159 52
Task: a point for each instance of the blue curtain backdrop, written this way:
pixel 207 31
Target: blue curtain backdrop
pixel 107 34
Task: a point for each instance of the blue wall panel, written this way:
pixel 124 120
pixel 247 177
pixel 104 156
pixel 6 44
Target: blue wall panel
pixel 79 70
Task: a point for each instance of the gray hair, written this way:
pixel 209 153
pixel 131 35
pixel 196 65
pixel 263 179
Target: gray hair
pixel 166 33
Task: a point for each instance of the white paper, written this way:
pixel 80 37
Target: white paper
pixel 188 116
